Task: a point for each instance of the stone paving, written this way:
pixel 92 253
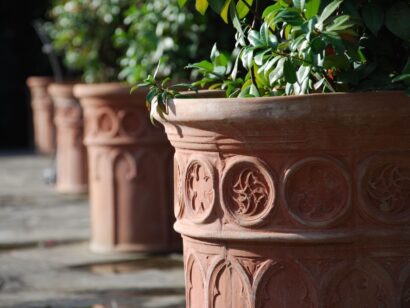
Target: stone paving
pixel 44 256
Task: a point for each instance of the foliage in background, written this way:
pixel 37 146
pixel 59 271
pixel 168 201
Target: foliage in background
pixel 159 31
pixel 82 31
pixel 292 47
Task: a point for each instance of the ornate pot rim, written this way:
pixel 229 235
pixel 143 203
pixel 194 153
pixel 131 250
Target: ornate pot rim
pixel 106 91
pixel 61 89
pixel 184 110
pixel 243 147
pixel 39 81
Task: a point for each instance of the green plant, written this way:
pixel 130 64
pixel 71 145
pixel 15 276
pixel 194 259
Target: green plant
pixel 159 31
pixel 286 47
pixel 82 31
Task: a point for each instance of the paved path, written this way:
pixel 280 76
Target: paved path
pixel 44 256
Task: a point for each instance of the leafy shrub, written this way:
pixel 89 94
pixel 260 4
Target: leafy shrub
pixel 300 47
pixel 293 47
pixel 161 31
pixel 82 30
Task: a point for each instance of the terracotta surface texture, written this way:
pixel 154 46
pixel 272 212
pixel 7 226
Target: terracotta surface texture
pixel 42 107
pixel 130 172
pixel 72 172
pixel 295 201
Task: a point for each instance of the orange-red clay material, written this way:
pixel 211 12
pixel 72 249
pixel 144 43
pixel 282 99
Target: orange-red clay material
pixel 72 167
pixel 42 107
pixel 294 201
pixel 130 172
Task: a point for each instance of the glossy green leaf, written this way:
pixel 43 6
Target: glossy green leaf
pixel 253 91
pixel 225 10
pixel 242 7
pixel 214 52
pixel 277 72
pixel 329 10
pixel 401 78
pixel 204 64
pixel 255 39
pixel 201 6
pixel 300 4
pixel 290 16
pixel 340 23
pixel 303 73
pixel 312 7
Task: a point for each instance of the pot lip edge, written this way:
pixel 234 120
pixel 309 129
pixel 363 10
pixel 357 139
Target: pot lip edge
pixel 208 97
pixel 38 81
pixel 252 104
pixel 105 89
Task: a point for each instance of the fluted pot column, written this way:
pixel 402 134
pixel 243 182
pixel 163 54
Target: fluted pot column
pixel 72 172
pixel 130 172
pixel 294 201
pixel 42 107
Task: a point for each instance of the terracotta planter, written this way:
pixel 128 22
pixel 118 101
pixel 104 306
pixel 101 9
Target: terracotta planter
pixel 130 172
pixel 294 202
pixel 42 106
pixel 72 175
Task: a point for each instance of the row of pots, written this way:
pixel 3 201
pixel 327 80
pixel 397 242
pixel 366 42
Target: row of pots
pixel 281 202
pixel 106 145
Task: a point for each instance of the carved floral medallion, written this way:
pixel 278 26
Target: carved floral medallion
pixel 317 191
pixel 385 188
pixel 199 189
pixel 248 191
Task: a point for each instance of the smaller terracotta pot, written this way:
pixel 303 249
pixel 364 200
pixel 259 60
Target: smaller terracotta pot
pixel 72 175
pixel 130 172
pixel 42 106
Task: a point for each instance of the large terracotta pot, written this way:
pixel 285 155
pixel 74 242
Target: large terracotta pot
pixel 72 173
pixel 295 201
pixel 42 106
pixel 130 172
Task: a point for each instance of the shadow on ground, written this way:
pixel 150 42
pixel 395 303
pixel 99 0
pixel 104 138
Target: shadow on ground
pixel 44 255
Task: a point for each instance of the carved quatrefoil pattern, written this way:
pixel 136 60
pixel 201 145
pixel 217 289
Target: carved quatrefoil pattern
pixel 199 189
pixel 316 192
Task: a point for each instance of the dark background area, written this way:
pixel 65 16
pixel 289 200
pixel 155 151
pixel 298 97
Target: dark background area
pixel 20 56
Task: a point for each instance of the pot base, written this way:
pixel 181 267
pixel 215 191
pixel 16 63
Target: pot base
pixel 221 274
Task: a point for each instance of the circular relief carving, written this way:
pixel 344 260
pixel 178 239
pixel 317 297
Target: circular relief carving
pixel 131 122
pixel 317 191
pixel 248 191
pixel 199 189
pixel 384 188
pixel 107 122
